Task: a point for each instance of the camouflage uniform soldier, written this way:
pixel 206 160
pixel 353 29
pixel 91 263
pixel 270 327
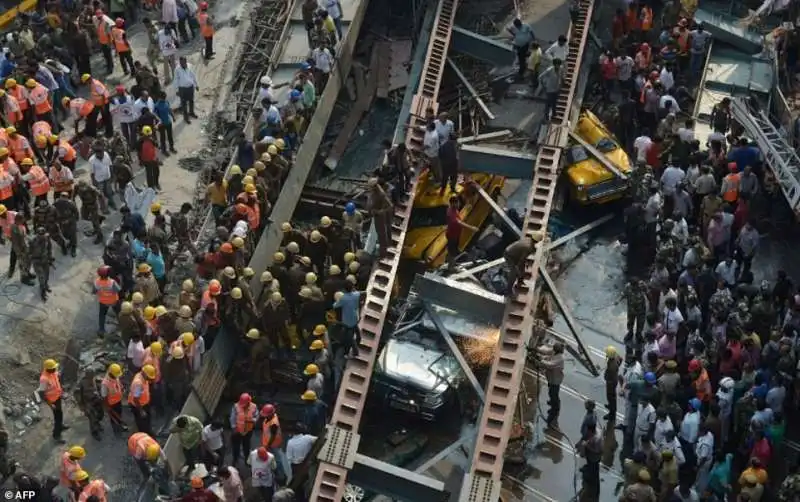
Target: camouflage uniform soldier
pixel 90 199
pixel 46 216
pixel 118 147
pixel 68 217
pixel 21 250
pixel 42 260
pixel 91 404
pixel 636 296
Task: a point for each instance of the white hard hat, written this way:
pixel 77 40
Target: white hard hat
pixel 265 80
pixel 727 383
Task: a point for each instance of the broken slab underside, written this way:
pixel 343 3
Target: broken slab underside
pixel 497 160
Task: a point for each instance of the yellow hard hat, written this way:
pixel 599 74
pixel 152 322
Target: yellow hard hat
pixel 177 352
pixel 280 144
pixel 320 330
pixel 317 345
pixel 338 296
pixel 149 371
pixel 248 272
pixel 137 297
pixel 311 369
pixel 155 207
pixel 187 286
pixel 2 92
pixel 76 452
pixel 185 312
pixel 126 307
pixel 309 395
pixel 187 338
pixel 147 131
pixel 286 226
pixel 30 83
pixel 115 370
pixel 644 475
pixel 266 276
pixel 252 173
pixel 229 272
pixel 611 351
pixel 65 102
pixel 348 257
pixel 235 169
pixel 156 348
pixel 305 260
pixel 276 296
pixel 334 270
pixel 311 278
pixel 149 313
pixel 253 334
pixel 10 83
pixel 293 247
pixel 53 139
pixel 3 209
pixel 325 222
pixel 50 364
pixel 85 77
pixel 11 130
pixel 315 236
pixel 152 452
pixel 81 475
pixel 247 180
pixel 537 235
pixel 278 257
pixel 41 141
pixel 236 293
pixel 272 150
pixel 351 279
pixel 250 188
pixel 144 268
pixel 27 161
pixel 237 242
pixel 161 310
pixel 353 266
pixel 305 292
pixel 259 166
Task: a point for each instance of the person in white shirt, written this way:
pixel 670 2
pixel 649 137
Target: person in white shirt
pixel 726 271
pixel 631 372
pixel 262 472
pixel 625 66
pixel 214 443
pixel 100 162
pixel 680 231
pixel 667 102
pixel 690 425
pixel 704 454
pixel 323 63
pixel 672 444
pixel 641 145
pixel 444 128
pixel 231 483
pixel 431 143
pixel 662 426
pixel 168 46
pixel 652 208
pixel 725 403
pixel 686 133
pixel 666 78
pixel 558 50
pixel 334 9
pixel 144 101
pixel 123 109
pixel 298 447
pixel 670 179
pixel 265 90
pixel 186 82
pixel 135 353
pixel 672 316
pixel 645 419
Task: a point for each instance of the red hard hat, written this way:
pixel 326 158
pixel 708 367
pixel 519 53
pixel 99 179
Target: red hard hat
pixel 262 453
pixel 203 5
pixel 119 22
pixel 267 410
pixel 245 398
pixel 694 365
pixel 98 13
pixel 120 89
pixel 104 271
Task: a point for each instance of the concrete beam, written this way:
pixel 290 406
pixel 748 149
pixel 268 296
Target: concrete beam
pixel 499 211
pixel 472 302
pixel 481 47
pixel 395 482
pixel 470 88
pixel 579 231
pixel 463 274
pixel 485 136
pixel 494 161
pixel 446 452
pixel 455 350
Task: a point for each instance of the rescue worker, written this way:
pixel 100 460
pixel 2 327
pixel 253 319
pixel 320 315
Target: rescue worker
pixel 139 398
pixel 184 323
pixel 211 310
pixel 353 224
pixel 17 233
pixel 146 284
pixel 42 260
pixel 187 297
pixel 70 467
pixel 38 183
pixel 148 156
pixel 206 30
pixel 552 362
pixel 20 95
pixel 611 376
pixel 130 322
pixel 67 217
pixel 122 106
pixel 39 98
pixel 272 439
pixel 112 392
pixel 90 200
pixel 123 47
pixel 314 414
pixel 63 153
pixel 10 108
pixel 41 131
pixel 243 417
pixel 103 31
pixel 89 401
pixel 275 321
pixel 50 391
pixel 380 207
pixel 82 110
pixel 333 283
pixel 95 490
pixel 107 291
pixel 46 216
pixel 145 451
pixel 18 145
pixel 317 250
pixel 189 430
pixel 176 375
pixel 62 180
pixel 516 255
pixel 101 99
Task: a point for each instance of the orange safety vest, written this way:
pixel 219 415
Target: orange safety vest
pixel 7 222
pixel 12 110
pixel 10 167
pixel 19 93
pixel 106 294
pixel 41 128
pixel 61 180
pixel 95 488
pixel 20 148
pixel 6 186
pixel 206 30
pixel 206 300
pixel 266 436
pixel 150 358
pixel 113 390
pixel 120 44
pixel 68 469
pixel 52 386
pixel 81 107
pixel 139 383
pixel 69 152
pixel 102 33
pixel 245 418
pixel 138 443
pixel 38 182
pixel 647 18
pixel 100 94
pixel 732 193
pixel 40 99
pixel 253 219
pixel 702 387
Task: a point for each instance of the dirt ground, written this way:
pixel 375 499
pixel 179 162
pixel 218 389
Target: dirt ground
pixel 31 330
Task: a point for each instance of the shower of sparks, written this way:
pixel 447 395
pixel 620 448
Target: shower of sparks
pixel 479 349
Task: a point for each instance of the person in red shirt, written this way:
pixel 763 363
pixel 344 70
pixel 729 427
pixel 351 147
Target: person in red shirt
pixel 454 226
pixel 199 492
pixel 148 157
pixel 654 155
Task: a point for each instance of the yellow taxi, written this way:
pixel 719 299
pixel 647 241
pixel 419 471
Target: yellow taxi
pixel 426 240
pixel 590 182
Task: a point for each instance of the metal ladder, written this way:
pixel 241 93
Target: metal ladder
pixel 341 445
pixel 483 481
pixel 778 154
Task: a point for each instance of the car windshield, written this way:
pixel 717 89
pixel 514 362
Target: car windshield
pixel 428 217
pixel 606 145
